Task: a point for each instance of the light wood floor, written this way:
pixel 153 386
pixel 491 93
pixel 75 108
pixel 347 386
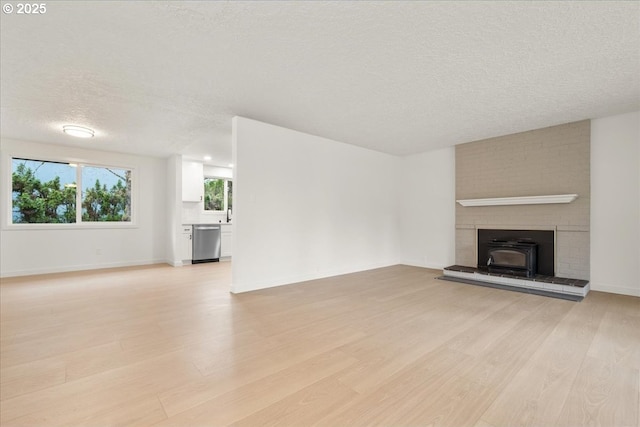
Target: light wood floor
pixel 172 347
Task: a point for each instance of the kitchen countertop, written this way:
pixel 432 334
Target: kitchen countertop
pixel 208 223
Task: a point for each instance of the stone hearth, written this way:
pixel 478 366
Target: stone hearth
pixel 548 284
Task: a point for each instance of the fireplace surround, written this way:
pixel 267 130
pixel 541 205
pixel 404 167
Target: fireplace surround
pixel 551 161
pixel 548 161
pixel 518 259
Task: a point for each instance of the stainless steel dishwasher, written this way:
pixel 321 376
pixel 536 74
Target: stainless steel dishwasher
pixel 206 243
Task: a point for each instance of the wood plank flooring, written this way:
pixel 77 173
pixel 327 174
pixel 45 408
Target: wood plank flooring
pixel 164 346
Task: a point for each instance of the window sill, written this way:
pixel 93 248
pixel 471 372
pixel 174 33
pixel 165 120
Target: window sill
pixel 82 226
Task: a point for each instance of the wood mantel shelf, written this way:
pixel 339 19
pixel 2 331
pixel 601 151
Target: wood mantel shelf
pixel 524 200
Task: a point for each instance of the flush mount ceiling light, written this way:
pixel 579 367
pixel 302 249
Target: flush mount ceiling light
pixel 207 158
pixel 78 131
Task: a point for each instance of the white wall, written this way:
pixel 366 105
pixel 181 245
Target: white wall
pixel 615 204
pixel 174 209
pixel 427 209
pixel 54 250
pixel 194 213
pixel 217 172
pixel 308 207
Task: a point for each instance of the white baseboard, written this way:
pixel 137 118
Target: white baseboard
pixel 634 292
pixel 66 269
pixel 432 266
pixel 283 281
pixel 187 262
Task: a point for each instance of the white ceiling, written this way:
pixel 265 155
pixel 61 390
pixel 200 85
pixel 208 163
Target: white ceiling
pixel 162 77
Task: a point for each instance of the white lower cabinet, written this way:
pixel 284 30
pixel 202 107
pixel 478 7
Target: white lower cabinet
pixel 226 237
pixel 185 247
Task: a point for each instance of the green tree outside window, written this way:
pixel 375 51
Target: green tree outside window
pixel 218 195
pixel 46 192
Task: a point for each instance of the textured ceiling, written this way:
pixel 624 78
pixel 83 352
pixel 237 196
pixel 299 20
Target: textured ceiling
pixel 399 77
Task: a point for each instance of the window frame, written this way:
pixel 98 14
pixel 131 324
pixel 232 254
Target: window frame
pixel 8 224
pixel 225 196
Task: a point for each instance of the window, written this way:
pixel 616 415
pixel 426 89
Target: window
pixel 42 192
pixel 45 192
pixel 106 194
pixel 217 194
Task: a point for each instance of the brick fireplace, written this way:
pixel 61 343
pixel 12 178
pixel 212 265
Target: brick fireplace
pixel 549 161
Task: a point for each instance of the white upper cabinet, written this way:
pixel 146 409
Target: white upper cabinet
pixel 192 182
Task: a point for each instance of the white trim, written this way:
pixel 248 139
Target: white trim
pixel 301 279
pixel 523 200
pixel 427 265
pixel 85 225
pixel 634 292
pixel 85 267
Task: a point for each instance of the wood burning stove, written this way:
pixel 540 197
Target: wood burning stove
pixel 545 251
pixel 516 257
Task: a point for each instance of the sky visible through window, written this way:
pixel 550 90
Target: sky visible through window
pixel 67 174
pixel 90 174
pixel 45 171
